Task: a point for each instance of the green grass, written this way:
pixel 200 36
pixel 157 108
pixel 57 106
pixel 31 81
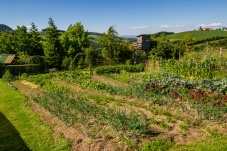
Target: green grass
pixel 8 133
pixel 199 35
pixel 23 128
pixel 213 143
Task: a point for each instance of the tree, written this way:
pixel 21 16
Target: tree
pixel 164 48
pixel 52 48
pixel 92 56
pixel 125 51
pixel 200 28
pixel 7 42
pixel 22 40
pixel 186 44
pixel 109 44
pixel 114 49
pixel 74 41
pixel 35 39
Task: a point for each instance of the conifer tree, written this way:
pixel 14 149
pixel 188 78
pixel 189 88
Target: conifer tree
pixel 35 39
pixel 52 48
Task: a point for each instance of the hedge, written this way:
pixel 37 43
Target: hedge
pixel 16 70
pixel 119 68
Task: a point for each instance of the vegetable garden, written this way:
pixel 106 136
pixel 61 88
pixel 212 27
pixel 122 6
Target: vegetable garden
pixel 168 106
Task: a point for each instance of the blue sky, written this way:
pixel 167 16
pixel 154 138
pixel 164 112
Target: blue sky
pixel 129 17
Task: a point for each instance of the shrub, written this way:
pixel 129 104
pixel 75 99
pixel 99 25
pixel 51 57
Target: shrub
pixel 16 70
pixel 119 68
pixel 24 76
pixel 7 76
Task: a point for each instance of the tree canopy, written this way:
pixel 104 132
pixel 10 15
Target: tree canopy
pixel 114 49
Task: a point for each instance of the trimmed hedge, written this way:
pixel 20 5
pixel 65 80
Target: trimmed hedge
pixel 16 70
pixel 119 68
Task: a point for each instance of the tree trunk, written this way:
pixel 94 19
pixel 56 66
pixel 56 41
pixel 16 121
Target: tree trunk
pixel 71 65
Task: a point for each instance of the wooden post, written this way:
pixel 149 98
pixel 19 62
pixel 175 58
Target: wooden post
pixel 220 53
pixel 90 69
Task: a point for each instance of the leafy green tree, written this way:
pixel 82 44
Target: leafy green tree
pixel 53 49
pixel 92 56
pixel 164 48
pixel 35 39
pixel 74 41
pixel 187 42
pixel 22 40
pixel 125 51
pixel 114 49
pixel 7 42
pixel 110 45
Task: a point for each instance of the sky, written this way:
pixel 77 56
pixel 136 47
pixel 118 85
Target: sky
pixel 129 17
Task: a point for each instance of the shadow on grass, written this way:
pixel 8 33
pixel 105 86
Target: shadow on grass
pixel 10 139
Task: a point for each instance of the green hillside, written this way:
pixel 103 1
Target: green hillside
pixel 93 37
pixel 199 35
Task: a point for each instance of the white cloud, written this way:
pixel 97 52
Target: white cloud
pixel 216 24
pixel 28 27
pixel 166 26
pixel 172 26
pixel 140 27
pixel 179 26
pixel 210 25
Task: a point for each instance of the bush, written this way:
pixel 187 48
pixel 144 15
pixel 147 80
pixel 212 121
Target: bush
pixel 7 76
pixel 24 76
pixel 119 68
pixel 16 70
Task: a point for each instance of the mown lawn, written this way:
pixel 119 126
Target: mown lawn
pixel 21 128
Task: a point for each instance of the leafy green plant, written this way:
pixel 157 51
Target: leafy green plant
pixel 23 76
pixel 156 146
pixel 7 76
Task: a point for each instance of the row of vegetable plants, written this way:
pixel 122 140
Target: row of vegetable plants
pixel 164 88
pixel 207 96
pixel 119 68
pixel 191 69
pixel 87 113
pixel 59 101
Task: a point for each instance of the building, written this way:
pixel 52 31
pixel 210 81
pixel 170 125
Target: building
pixel 7 59
pixel 143 42
pixel 207 29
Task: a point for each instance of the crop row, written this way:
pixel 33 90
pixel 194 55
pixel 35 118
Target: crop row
pixel 87 113
pixel 162 89
pixel 191 69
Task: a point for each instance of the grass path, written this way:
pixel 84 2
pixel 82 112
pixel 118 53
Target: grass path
pixel 21 128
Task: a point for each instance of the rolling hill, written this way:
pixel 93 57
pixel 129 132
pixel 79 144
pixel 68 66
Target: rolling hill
pixel 200 35
pixel 4 27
